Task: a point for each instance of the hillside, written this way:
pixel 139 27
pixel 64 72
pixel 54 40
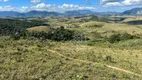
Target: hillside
pixel 70 48
pixel 39 29
pixel 73 60
pixel 134 11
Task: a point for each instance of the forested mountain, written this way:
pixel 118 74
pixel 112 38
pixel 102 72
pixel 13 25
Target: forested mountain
pixel 28 14
pixel 38 14
pixel 8 13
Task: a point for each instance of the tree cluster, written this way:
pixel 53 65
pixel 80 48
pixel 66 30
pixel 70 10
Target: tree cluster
pixel 12 26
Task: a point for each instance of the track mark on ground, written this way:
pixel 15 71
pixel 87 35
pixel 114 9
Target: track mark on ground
pixel 109 66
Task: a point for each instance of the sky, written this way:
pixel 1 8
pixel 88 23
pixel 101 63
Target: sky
pixel 67 5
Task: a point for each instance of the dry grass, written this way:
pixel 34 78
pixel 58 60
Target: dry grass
pixel 32 59
pixel 26 59
pixel 125 58
pixel 38 29
pixel 133 19
pixel 122 28
pixel 92 24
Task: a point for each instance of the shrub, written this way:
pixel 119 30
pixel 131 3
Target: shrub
pixel 118 37
pixel 114 38
pixel 108 58
pixel 126 36
pixel 12 26
pixel 80 37
pixel 17 35
pixel 39 35
pixel 60 34
pixel 97 34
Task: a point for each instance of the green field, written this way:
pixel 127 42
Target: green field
pixel 97 58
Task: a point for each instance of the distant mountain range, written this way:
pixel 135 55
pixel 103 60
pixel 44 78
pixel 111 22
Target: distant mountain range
pixel 38 14
pixel 134 11
pixel 46 13
pixel 28 14
pixel 8 13
pixel 86 12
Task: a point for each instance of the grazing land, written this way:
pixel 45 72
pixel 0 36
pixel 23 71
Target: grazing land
pixel 71 48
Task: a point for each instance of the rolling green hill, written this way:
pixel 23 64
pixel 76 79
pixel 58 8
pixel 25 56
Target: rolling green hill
pixel 76 49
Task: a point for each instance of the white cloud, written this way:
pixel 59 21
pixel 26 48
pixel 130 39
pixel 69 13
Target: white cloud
pixel 4 0
pixel 132 2
pixel 6 8
pixel 46 7
pixel 35 1
pixel 24 8
pixel 113 4
pixel 11 8
pixel 64 7
pixel 122 3
pixel 108 1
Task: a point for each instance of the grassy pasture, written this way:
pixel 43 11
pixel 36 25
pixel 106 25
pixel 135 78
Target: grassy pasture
pixel 95 59
pixel 93 24
pixel 39 29
pixel 33 59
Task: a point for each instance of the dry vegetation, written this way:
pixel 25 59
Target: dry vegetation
pixel 39 29
pixel 94 59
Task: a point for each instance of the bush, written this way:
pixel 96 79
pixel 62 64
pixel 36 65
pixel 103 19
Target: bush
pixel 97 34
pixel 80 37
pixel 114 38
pixel 118 37
pixel 12 26
pixel 39 35
pixel 17 35
pixel 126 36
pixel 60 34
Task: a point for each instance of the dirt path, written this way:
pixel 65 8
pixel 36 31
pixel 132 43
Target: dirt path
pixel 109 66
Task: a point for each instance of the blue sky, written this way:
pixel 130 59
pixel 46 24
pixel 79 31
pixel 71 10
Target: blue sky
pixel 57 2
pixel 65 5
